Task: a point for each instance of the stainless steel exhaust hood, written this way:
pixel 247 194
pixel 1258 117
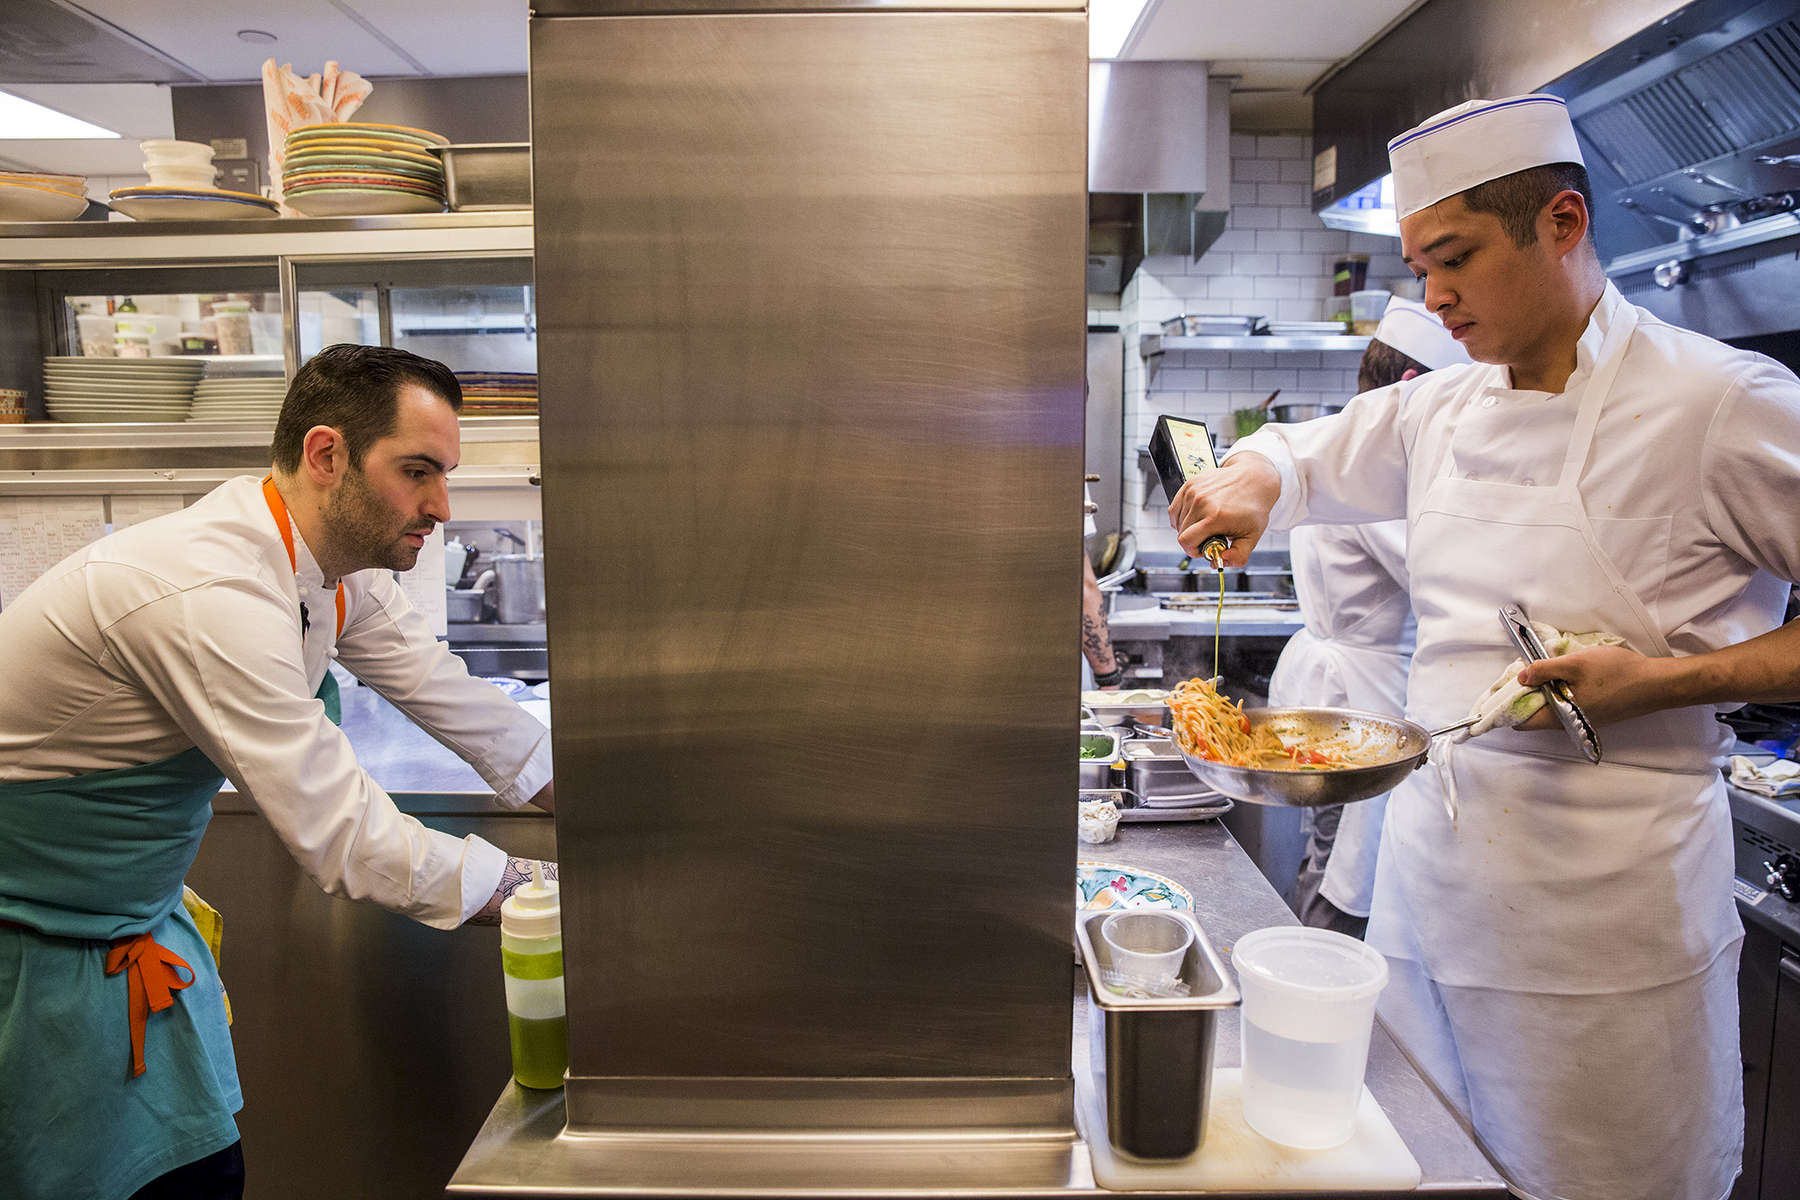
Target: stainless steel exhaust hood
pixel 1689 120
pixel 1159 164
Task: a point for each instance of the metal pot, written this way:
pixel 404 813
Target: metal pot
pixel 467 606
pixel 1287 414
pixel 521 582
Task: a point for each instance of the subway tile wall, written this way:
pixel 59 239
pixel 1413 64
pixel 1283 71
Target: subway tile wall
pixel 1274 259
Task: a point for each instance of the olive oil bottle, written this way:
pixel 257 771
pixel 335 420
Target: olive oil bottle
pixel 531 957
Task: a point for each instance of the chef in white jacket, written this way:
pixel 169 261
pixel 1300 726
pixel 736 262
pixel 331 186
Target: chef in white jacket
pixel 143 671
pixel 1564 944
pixel 1357 643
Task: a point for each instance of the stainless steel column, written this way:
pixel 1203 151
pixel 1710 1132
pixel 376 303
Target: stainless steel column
pixel 812 358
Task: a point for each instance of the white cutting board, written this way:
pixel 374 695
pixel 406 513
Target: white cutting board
pixel 1234 1157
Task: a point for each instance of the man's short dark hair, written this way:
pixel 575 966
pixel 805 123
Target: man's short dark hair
pixel 1517 199
pixel 356 391
pixel 1382 364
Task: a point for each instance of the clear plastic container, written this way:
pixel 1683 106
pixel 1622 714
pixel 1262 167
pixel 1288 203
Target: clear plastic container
pixel 1366 308
pixel 1309 1008
pixel 232 320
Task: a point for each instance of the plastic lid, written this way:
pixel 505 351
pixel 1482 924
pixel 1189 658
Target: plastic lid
pixel 1313 962
pixel 534 909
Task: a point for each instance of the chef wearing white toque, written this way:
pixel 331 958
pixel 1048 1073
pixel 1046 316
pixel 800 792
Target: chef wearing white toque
pixel 1563 949
pixel 1357 641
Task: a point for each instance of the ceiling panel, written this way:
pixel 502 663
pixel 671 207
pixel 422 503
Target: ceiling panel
pixel 202 34
pixel 467 37
pixel 1262 29
pixel 44 42
pixel 1265 73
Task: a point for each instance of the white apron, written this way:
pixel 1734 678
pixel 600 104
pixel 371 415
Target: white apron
pixel 1560 882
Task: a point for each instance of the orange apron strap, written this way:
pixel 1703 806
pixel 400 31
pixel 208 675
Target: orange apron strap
pixel 152 976
pixel 285 527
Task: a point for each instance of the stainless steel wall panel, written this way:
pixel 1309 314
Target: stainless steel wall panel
pixel 812 360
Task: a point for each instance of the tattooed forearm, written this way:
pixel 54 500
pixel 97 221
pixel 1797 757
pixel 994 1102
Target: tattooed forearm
pixel 515 876
pixel 1096 644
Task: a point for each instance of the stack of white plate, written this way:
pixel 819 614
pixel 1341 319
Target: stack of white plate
pixel 120 389
pixel 241 398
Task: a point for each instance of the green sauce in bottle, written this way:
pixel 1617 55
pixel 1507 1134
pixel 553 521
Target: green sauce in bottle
pixel 531 958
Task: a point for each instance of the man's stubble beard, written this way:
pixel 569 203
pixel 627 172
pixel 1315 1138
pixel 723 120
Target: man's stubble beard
pixel 368 529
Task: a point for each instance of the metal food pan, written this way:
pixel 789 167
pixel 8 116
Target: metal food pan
pixel 1111 712
pixel 1152 1057
pixel 487 175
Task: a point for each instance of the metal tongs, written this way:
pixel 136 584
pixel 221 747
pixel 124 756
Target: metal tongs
pixel 1556 692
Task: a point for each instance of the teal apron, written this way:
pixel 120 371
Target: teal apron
pixel 90 1106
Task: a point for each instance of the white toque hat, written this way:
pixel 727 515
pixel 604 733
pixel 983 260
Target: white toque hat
pixel 1410 328
pixel 1475 142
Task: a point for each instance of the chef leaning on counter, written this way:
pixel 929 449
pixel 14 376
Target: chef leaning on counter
pixel 145 670
pixel 1561 936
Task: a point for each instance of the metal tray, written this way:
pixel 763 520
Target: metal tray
pixel 1152 1057
pixel 487 175
pixel 1207 325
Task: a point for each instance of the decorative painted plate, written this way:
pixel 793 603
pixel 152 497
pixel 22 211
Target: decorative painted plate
pixel 29 202
pixel 357 202
pixel 411 151
pixel 191 193
pixel 1110 885
pixel 418 187
pixel 193 208
pixel 436 139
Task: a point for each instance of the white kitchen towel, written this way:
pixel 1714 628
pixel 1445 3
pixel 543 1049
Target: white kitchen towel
pixel 1777 778
pixel 1508 704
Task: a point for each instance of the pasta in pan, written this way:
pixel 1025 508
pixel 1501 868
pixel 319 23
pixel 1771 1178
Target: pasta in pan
pixel 1208 725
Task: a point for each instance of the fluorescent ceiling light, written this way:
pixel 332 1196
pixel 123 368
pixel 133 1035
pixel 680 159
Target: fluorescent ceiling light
pixel 21 119
pixel 1110 23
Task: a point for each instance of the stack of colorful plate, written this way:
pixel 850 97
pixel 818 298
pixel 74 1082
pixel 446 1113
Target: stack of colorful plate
pixel 120 389
pixel 498 393
pixel 38 196
pixel 350 169
pixel 191 204
pixel 239 398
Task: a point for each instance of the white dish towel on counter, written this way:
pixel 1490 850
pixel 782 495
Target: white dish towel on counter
pixel 1777 778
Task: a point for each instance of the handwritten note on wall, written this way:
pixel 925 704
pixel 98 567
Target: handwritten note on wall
pixel 424 584
pixel 130 510
pixel 41 531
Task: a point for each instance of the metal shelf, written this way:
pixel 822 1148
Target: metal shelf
pixel 1152 346
pixel 50 244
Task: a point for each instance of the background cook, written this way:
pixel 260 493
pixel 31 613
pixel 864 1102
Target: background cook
pixel 1564 952
pixel 1356 646
pixel 155 663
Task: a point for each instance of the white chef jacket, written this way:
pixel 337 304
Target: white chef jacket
pixel 185 631
pixel 1697 451
pixel 1354 652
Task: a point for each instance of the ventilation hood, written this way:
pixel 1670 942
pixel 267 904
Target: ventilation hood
pixel 1691 129
pixel 1159 164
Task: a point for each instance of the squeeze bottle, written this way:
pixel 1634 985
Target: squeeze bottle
pixel 531 957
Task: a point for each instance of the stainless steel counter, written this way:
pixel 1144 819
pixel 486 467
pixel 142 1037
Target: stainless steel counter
pixel 366 1043
pixel 523 1151
pixel 422 776
pixel 1140 618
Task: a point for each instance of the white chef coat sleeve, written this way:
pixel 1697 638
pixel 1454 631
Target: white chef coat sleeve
pixel 223 659
pixel 387 644
pixel 1346 469
pixel 1750 468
